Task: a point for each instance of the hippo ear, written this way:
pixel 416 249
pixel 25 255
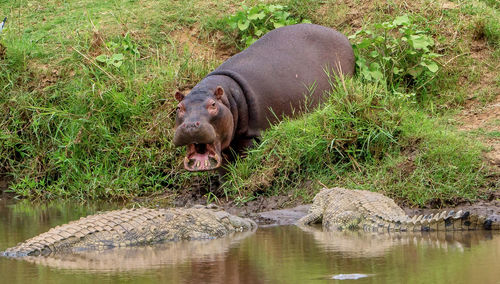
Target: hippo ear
pixel 219 92
pixel 179 96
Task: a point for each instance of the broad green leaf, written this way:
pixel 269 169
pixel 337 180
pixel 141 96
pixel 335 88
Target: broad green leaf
pixel 278 25
pixel 259 16
pixel 102 58
pixel 420 41
pixel 431 65
pixel 233 25
pixel 402 20
pixel 366 74
pixel 374 66
pixel 243 25
pixel 433 55
pixel 117 56
pixel 250 40
pixel 387 26
pixel 379 39
pixel 117 63
pixel 377 75
pixel 365 43
pixel 356 34
pixel 375 72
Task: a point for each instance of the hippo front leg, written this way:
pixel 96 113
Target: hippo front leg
pixel 241 145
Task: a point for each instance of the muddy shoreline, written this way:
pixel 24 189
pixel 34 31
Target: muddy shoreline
pixel 285 210
pixel 289 216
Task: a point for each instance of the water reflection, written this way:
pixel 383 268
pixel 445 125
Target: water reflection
pixel 366 244
pixel 143 258
pixel 283 254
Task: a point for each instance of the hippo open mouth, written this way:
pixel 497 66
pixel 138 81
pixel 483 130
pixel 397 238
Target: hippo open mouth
pixel 202 157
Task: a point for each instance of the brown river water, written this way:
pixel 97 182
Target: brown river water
pixel 274 254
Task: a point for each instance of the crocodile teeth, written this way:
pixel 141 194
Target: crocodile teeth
pixel 442 215
pixel 458 215
pixel 414 219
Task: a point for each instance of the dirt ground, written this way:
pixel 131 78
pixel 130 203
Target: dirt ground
pixel 485 118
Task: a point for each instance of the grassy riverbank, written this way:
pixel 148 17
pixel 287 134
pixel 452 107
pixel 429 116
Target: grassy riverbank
pixel 87 107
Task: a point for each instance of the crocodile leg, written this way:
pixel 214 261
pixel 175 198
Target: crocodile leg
pixel 311 218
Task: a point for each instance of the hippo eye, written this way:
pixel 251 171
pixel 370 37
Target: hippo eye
pixel 213 104
pixel 180 110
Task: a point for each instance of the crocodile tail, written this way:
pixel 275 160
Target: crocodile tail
pixel 459 221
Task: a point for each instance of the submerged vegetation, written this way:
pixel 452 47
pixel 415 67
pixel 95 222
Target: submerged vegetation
pixel 86 99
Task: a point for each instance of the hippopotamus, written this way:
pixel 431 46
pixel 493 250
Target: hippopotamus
pixel 284 73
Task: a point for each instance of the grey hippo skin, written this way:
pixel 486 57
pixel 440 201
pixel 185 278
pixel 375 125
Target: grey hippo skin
pixel 282 74
pixel 345 209
pixel 132 227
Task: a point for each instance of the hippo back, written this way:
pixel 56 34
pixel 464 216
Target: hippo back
pixel 278 70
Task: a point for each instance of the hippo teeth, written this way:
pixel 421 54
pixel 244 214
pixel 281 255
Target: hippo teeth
pixel 202 157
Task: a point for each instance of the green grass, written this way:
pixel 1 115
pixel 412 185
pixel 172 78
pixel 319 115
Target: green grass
pixel 71 127
pixel 368 139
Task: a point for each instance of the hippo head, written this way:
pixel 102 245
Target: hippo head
pixel 204 124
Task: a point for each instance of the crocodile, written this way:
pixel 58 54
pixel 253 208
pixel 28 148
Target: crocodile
pixel 132 227
pixel 139 258
pixel 344 209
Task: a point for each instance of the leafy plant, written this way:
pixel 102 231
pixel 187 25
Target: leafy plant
pixel 116 59
pixel 123 45
pixel 253 22
pixel 396 52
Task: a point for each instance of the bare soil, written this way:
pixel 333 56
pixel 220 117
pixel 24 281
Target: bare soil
pixel 478 115
pixel 205 49
pixel 486 118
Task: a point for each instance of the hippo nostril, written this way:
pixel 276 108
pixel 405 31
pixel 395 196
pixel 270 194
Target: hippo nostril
pixel 191 125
